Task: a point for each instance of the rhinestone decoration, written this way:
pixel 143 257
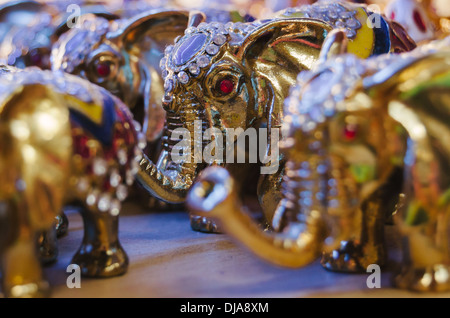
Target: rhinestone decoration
pixel 333 12
pixel 197 48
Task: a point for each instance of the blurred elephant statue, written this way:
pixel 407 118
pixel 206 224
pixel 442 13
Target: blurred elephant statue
pixel 124 56
pixel 237 76
pixel 358 135
pixel 63 141
pixel 417 17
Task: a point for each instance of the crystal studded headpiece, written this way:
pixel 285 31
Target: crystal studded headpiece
pixel 195 51
pixel 73 47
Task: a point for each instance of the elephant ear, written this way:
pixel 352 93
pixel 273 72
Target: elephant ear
pixel 275 53
pixel 159 26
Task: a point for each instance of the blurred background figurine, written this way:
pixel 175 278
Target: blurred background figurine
pixel 63 141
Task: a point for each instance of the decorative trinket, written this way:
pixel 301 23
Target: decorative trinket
pixel 63 141
pixel 357 136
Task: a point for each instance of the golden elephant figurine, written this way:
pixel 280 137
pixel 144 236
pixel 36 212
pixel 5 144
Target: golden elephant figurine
pixel 237 76
pixel 63 141
pixel 358 135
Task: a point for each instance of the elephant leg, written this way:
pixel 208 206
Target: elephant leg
pixel 365 248
pixel 48 246
pixel 100 253
pixel 203 224
pixel 269 193
pixel 426 264
pixel 21 268
pixel 62 225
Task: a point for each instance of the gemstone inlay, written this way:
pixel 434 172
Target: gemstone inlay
pixel 187 49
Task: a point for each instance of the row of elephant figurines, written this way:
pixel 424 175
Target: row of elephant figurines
pixel 175 190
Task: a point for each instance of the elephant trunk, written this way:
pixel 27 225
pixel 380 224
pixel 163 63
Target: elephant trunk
pixel 170 178
pixel 214 195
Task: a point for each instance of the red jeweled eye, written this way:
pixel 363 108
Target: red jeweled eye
pixel 419 21
pixel 226 86
pixel 350 132
pixel 103 69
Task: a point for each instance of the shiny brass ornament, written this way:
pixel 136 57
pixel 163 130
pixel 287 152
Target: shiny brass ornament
pixel 262 60
pixel 357 136
pixel 63 141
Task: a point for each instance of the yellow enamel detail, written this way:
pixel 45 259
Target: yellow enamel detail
pixel 362 44
pixel 92 111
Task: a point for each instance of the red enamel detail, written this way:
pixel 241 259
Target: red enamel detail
pixel 81 147
pixel 419 21
pixel 226 86
pixel 103 69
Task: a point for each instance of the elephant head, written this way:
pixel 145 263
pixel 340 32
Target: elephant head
pixel 123 57
pixel 219 77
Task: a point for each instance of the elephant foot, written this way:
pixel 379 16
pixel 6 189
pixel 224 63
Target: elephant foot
pixel 101 262
pixel 203 224
pixel 30 290
pixel 62 225
pixel 435 278
pixel 345 259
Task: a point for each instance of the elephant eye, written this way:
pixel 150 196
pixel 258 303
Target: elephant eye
pixel 226 86
pixel 103 69
pixel 223 85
